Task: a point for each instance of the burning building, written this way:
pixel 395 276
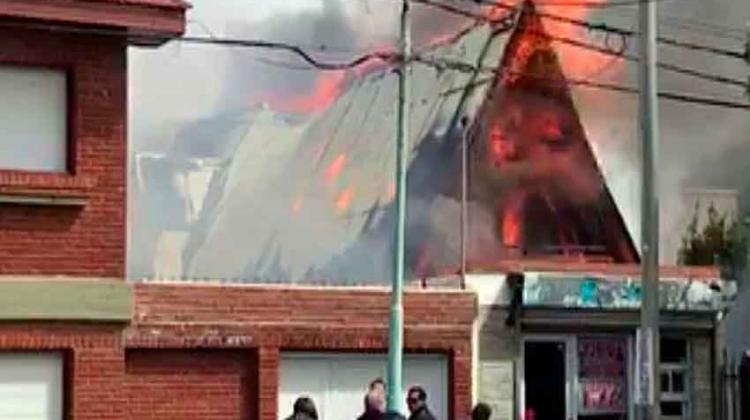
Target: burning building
pixel 296 187
pixel 562 333
pixel 532 166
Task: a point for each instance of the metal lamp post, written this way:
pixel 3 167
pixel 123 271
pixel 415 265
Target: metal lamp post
pixel 396 327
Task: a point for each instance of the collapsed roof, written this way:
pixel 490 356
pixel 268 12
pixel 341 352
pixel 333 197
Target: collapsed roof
pixel 308 197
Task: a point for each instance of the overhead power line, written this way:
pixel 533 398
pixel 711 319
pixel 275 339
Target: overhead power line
pixel 600 49
pixel 662 65
pixel 574 3
pixel 714 29
pixel 586 4
pixel 498 72
pixel 460 11
pixel 389 56
pixel 313 61
pixel 585 24
pixel 384 56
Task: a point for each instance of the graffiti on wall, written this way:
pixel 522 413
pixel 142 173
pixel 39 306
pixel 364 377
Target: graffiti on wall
pixel 623 293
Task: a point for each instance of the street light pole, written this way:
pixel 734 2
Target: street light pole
pixel 648 369
pixel 396 328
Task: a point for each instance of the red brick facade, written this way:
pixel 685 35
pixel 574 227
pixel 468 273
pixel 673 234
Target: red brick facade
pixel 87 240
pixel 263 321
pixel 189 384
pixel 189 352
pixel 213 352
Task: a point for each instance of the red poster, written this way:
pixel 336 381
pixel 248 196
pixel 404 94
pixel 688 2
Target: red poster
pixel 602 375
pixel 603 396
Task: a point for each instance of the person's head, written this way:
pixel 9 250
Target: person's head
pixel 306 407
pixel 375 398
pixel 481 411
pixel 377 385
pixel 416 398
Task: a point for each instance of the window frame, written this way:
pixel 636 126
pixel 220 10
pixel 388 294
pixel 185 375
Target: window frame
pixel 572 384
pixel 39 187
pixel 66 358
pixel 70 106
pixel 670 368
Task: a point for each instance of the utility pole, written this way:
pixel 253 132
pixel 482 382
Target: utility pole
pixel 464 196
pixel 648 337
pixel 396 328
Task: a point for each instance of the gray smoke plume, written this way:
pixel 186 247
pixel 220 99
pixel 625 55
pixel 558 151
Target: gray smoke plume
pixel 225 186
pixel 243 191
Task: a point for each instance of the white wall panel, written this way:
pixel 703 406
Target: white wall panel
pixel 337 382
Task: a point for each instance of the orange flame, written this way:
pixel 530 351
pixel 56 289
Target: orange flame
pixel 577 62
pixel 374 65
pixel 334 169
pixel 328 86
pixel 344 199
pixel 500 11
pixel 511 220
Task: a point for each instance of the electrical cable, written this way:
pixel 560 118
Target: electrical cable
pixel 588 25
pixel 385 56
pixel 467 67
pixel 625 33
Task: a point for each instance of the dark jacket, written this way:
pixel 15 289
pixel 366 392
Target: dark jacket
pixel 371 415
pixel 422 414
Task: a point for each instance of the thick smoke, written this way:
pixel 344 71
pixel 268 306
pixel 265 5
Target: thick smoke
pixel 231 148
pixel 701 147
pixel 245 190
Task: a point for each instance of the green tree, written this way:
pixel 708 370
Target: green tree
pixel 721 242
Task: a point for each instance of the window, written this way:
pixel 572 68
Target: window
pixel 31 386
pixel 675 368
pixel 33 117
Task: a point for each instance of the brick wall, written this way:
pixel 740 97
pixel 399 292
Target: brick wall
pixel 272 319
pixel 299 306
pixel 72 240
pixel 212 352
pixel 94 363
pixel 189 384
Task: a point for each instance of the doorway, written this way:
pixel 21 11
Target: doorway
pixel 545 380
pixel 575 377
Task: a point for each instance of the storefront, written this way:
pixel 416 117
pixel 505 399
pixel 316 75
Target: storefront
pixel 575 376
pixel 569 351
